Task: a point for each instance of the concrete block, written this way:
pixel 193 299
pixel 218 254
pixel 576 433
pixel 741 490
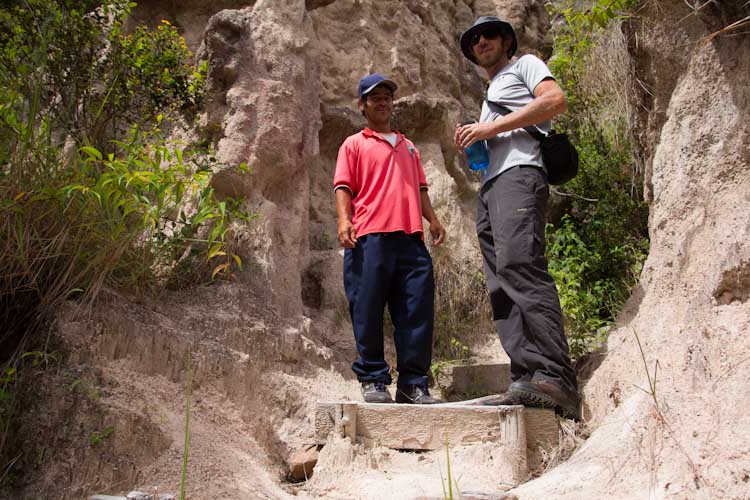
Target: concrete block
pixel 472 381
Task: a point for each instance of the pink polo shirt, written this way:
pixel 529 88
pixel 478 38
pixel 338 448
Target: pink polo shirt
pixel 384 181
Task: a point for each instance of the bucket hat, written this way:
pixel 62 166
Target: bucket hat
pixel 482 24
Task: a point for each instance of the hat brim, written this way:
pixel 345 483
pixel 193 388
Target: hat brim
pixel 467 35
pixel 388 83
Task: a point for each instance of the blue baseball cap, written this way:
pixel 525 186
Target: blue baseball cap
pixel 369 82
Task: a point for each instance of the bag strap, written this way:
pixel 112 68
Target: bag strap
pixel 531 129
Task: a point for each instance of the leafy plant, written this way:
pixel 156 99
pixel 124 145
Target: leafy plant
pixel 156 202
pixel 92 196
pixel 597 249
pixel 74 68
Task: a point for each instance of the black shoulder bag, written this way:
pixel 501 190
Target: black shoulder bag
pixel 558 154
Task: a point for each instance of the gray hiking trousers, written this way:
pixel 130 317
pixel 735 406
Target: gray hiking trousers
pixel 525 306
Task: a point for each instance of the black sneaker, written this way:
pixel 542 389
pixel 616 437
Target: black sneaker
pixel 416 395
pixel 376 392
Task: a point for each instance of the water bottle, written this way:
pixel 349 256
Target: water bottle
pixel 477 155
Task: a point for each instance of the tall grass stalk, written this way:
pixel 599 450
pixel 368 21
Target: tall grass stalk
pixel 448 493
pixel 188 390
pixel 651 379
pixel 662 417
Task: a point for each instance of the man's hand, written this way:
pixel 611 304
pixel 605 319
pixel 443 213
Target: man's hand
pixel 438 233
pixel 347 234
pixel 466 135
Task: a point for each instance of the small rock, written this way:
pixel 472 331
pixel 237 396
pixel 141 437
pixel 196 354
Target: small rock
pixel 302 462
pixel 106 497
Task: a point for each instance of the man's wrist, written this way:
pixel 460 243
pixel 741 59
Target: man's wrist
pixel 497 126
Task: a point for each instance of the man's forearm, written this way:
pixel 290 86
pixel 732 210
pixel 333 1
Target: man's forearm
pixel 427 211
pixel 537 111
pixel 344 204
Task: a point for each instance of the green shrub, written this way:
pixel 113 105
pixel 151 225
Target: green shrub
pixel 74 68
pixel 91 196
pixel 597 250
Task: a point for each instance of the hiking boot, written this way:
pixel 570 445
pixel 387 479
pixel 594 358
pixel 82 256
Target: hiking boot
pixel 376 392
pixel 547 394
pixel 416 395
pixel 504 399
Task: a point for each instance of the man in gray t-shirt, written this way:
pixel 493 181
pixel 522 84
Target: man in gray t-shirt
pixel 509 88
pixel 511 217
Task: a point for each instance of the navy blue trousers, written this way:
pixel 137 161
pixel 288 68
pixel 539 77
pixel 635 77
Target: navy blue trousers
pixel 392 269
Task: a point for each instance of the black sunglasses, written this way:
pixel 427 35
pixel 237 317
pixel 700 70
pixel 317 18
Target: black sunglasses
pixel 490 34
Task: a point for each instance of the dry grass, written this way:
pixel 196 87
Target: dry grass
pixel 731 28
pixel 608 73
pixel 572 436
pixel 462 308
pixel 663 423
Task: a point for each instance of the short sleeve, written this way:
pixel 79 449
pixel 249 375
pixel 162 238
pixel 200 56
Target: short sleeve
pixel 533 71
pixel 345 163
pixel 420 170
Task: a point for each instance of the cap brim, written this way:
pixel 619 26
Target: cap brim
pixel 388 83
pixel 467 35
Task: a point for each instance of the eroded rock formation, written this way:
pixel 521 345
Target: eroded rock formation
pixel 282 82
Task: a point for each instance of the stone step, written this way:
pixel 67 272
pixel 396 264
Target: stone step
pixel 431 427
pixel 460 382
pixel 520 432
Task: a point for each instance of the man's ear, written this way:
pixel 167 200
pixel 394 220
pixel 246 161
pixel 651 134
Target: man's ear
pixel 507 44
pixel 362 102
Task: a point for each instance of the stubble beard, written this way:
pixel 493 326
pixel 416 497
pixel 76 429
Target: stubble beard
pixel 492 59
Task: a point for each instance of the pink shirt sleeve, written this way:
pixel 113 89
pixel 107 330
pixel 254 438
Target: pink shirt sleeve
pixel 345 163
pixel 422 179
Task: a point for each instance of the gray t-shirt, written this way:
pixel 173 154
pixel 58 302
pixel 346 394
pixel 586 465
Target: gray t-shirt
pixel 513 87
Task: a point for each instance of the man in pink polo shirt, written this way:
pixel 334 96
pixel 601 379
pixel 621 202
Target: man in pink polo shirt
pixel 381 197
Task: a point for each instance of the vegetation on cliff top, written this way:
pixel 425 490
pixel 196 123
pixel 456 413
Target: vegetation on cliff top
pixel 91 195
pixel 597 249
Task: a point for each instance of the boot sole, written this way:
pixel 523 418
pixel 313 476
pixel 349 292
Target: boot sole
pixel 507 400
pixel 403 399
pixel 378 400
pixel 419 402
pixel 540 400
